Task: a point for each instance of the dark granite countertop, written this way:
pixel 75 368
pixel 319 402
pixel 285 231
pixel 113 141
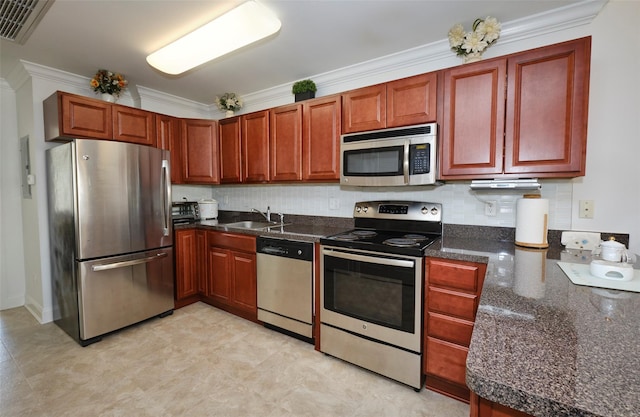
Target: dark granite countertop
pixel 302 228
pixel 540 343
pixel 545 346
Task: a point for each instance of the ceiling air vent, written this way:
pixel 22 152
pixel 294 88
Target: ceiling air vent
pixel 18 18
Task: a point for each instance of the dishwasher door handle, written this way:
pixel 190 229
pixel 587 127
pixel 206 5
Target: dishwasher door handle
pixel 273 251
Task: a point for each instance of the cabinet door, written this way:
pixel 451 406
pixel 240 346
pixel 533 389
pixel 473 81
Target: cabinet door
pixel 201 269
pixel 364 109
pixel 72 116
pixel 322 123
pixel 218 274
pixel 168 136
pixel 472 138
pixel 229 142
pixel 255 146
pixel 186 263
pixel 133 125
pixel 285 146
pixel 244 281
pixel 547 100
pixel 412 100
pixel 200 151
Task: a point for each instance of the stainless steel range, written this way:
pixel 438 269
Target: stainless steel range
pixel 371 287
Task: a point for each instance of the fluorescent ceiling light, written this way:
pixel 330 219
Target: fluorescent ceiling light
pixel 239 27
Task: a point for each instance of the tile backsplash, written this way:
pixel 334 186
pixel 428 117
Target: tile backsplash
pixel 460 204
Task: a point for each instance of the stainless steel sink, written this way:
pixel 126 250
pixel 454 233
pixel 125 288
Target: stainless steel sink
pixel 249 224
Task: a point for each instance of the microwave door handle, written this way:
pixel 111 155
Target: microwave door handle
pixel 405 162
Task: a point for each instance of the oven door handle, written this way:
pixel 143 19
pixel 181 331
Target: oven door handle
pixel 369 259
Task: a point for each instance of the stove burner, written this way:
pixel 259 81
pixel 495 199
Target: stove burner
pixel 417 238
pixel 364 233
pixel 401 242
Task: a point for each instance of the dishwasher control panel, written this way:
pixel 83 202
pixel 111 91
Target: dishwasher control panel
pixel 285 248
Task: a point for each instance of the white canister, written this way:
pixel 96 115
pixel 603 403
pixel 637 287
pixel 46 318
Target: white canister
pixel 532 213
pixel 208 208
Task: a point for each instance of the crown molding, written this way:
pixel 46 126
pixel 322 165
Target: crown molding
pixel 430 57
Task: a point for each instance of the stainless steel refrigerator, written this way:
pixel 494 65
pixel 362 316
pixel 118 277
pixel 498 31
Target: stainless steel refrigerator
pixel 111 236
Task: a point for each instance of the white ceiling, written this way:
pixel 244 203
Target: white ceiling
pixel 81 36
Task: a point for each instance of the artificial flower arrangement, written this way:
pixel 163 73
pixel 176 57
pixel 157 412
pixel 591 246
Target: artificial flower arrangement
pixel 229 101
pixel 471 44
pixel 108 82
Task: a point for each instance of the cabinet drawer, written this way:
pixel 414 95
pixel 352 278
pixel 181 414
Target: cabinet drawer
pixel 232 241
pixel 453 303
pixel 459 275
pixel 449 328
pixel 446 360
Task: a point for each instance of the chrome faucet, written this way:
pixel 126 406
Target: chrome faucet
pixel 266 216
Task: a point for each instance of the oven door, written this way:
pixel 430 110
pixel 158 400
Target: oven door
pixel 373 295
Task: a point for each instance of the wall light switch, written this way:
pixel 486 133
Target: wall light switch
pixel 334 203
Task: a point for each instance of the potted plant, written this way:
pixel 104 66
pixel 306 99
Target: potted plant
pixel 229 103
pixel 304 90
pixel 109 84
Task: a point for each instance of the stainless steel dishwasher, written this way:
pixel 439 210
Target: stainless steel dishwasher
pixel 285 285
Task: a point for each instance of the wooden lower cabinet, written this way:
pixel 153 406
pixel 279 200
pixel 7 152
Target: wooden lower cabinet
pixel 187 267
pixel 231 273
pixel 452 291
pixel 481 407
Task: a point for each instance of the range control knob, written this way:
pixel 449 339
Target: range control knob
pixel 434 211
pixel 424 210
pixel 365 209
pixel 358 209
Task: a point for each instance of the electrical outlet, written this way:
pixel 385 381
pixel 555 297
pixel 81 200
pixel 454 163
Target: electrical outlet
pixel 586 209
pixel 491 208
pixel 334 203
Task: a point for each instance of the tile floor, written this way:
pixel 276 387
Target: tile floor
pixel 198 362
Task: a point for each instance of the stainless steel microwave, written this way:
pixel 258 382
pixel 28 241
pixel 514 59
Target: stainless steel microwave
pixel 388 157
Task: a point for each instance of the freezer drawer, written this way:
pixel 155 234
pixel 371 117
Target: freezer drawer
pixel 118 291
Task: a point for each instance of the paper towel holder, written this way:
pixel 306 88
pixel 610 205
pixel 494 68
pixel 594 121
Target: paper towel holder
pixel 506 184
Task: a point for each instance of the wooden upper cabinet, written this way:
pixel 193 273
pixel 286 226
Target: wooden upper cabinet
pixel 472 132
pixel 533 125
pixel 322 122
pixel 285 146
pixel 168 137
pixel 133 125
pixel 412 100
pixel 229 139
pixel 255 146
pixel 364 109
pixel 547 102
pixel 68 116
pixel 200 151
pixel 403 102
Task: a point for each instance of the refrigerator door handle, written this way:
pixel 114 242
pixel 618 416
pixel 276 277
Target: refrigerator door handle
pixel 122 264
pixel 166 193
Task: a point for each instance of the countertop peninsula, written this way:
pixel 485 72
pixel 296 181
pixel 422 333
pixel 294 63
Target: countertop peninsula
pixel 540 344
pixel 545 346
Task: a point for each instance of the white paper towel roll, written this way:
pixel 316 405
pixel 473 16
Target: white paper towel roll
pixel 532 214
